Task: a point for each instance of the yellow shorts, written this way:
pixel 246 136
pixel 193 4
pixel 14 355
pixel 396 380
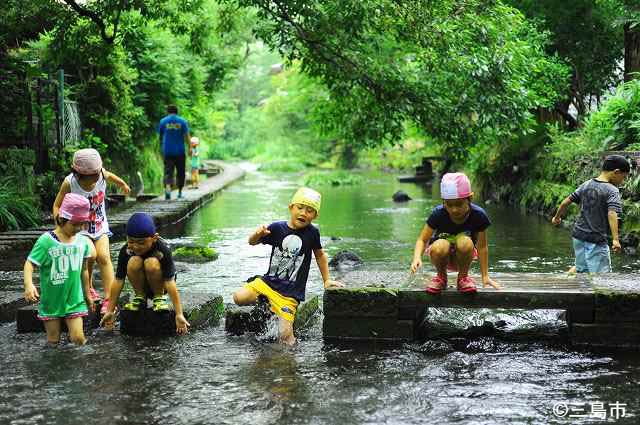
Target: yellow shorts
pixel 284 307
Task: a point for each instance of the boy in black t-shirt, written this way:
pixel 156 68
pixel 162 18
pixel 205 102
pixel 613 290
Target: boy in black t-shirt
pixel 146 260
pixel 451 235
pixel 293 243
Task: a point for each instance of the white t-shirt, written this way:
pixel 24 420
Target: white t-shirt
pixel 98 224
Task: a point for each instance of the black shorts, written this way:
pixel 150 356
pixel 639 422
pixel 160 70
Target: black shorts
pixel 177 162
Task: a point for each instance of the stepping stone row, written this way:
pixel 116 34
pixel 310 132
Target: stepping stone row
pixel 200 309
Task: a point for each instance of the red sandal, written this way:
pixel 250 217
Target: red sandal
pixel 466 284
pixel 437 284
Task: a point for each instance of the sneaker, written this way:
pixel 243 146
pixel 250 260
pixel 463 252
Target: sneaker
pixel 167 196
pixel 466 284
pixel 437 284
pixel 94 294
pixel 180 195
pixel 135 303
pixel 104 306
pixel 160 303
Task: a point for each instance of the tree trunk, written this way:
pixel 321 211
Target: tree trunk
pixel 631 52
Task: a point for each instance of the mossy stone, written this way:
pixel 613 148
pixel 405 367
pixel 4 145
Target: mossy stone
pixel 195 254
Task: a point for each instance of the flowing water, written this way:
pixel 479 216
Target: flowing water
pixel 210 378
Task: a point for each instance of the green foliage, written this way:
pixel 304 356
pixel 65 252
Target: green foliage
pixel 195 253
pixel 552 165
pixel 465 73
pixel 544 195
pixel 269 117
pixel 631 218
pixel 163 52
pixel 18 208
pixel 332 178
pixel 403 155
pixel 586 36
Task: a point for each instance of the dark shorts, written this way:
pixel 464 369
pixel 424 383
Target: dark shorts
pixel 177 162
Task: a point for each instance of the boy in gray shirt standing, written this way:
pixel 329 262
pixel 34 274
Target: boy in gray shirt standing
pixel 600 204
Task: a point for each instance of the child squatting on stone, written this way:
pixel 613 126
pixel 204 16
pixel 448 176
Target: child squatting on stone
pixel 146 260
pixel 600 204
pixel 455 234
pixel 89 180
pixel 62 255
pixel 292 243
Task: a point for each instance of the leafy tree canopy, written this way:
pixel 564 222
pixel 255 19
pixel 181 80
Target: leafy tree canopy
pixel 586 34
pixel 465 71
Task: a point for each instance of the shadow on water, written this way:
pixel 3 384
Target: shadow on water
pixel 478 367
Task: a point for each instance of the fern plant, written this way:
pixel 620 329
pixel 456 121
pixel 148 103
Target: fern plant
pixel 18 210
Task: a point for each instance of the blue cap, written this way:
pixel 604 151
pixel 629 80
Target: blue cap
pixel 141 225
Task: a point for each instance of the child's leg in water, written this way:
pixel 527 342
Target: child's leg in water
pixel 103 258
pixel 245 296
pixel 285 332
pixel 52 327
pixel 76 333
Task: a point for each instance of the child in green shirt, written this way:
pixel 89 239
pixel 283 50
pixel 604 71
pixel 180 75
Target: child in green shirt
pixel 61 255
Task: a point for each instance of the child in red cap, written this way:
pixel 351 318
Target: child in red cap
pixel 455 234
pixel 89 180
pixel 61 255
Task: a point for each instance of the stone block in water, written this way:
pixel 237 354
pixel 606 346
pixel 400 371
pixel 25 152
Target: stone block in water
pixel 344 260
pixel 605 334
pixel 192 253
pixel 401 196
pixel 367 328
pixel 361 302
pixel 10 302
pixel 27 320
pixel 199 309
pixel 617 306
pixel 146 322
pixel 240 320
pixel 307 315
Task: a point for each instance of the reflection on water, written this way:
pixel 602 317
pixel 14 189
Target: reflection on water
pixel 511 376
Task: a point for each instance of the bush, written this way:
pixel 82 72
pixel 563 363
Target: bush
pixel 19 209
pixel 19 205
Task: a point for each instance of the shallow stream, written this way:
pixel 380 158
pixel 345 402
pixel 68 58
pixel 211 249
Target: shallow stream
pixel 210 378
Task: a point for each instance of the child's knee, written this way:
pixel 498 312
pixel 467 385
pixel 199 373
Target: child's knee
pixel 464 245
pixel 239 297
pixel 135 264
pixel 245 296
pixel 152 265
pixel 439 249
